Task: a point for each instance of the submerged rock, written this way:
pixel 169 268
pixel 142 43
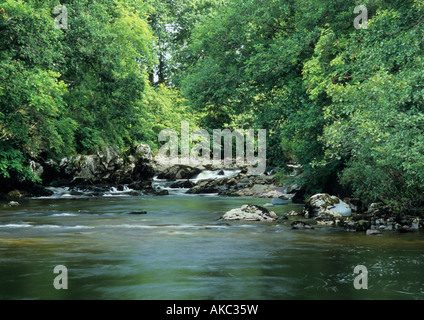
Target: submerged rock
pixel 300 225
pixel 279 202
pixel 163 192
pixel 250 213
pixel 138 212
pixel 268 205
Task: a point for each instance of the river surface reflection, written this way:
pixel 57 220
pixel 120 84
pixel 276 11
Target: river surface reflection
pixel 180 250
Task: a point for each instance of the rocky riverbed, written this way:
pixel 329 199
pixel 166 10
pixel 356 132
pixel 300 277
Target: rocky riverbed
pixel 135 171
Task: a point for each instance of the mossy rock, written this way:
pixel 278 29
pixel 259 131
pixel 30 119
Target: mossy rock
pixel 329 201
pixel 14 195
pixel 323 202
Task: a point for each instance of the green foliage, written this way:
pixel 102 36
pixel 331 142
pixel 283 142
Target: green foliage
pixel 108 51
pixel 77 89
pixel 341 102
pixel 162 108
pixel 32 113
pixel 172 22
pixel 374 117
pixel 248 72
pixel 345 104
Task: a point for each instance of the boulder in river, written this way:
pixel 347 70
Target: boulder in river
pixel 142 170
pixel 372 232
pixel 250 212
pixel 163 192
pixel 182 184
pixel 240 184
pixel 13 204
pixel 179 172
pixel 323 203
pixel 209 186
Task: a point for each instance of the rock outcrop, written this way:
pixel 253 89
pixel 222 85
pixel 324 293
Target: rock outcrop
pixel 105 167
pixel 241 185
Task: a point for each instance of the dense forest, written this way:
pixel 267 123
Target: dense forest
pixel 345 103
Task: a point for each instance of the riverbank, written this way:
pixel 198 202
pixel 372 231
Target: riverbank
pixel 236 183
pixel 136 172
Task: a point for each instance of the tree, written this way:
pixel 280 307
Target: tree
pixel 247 72
pixel 108 50
pixel 172 22
pixel 375 115
pixel 32 108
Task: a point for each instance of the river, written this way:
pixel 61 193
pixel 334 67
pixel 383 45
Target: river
pixel 180 250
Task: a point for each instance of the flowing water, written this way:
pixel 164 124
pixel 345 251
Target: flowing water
pixel 180 250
